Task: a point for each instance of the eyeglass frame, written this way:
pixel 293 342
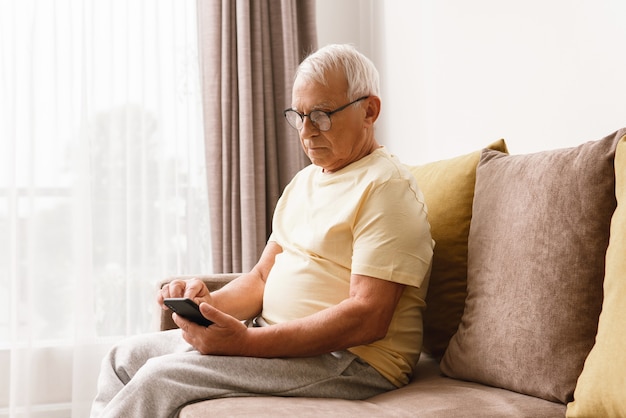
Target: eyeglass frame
pixel 329 114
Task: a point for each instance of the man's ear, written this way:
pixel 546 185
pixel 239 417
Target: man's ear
pixel 372 110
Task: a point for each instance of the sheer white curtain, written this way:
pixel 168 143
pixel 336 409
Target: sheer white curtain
pixel 102 186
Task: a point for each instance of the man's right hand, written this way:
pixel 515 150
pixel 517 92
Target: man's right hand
pixel 194 289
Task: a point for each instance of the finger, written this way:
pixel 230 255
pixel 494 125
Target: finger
pixel 160 297
pixel 182 322
pixel 172 289
pixel 164 292
pixel 195 288
pixel 176 289
pixel 191 332
pixel 213 314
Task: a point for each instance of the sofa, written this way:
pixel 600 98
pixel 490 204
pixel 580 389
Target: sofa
pixel 527 294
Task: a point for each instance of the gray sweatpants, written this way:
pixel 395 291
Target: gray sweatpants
pixel 154 375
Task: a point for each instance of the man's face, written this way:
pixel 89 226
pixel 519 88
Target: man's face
pixel 346 140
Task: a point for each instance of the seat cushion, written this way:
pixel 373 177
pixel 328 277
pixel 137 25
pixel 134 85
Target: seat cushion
pixel 429 395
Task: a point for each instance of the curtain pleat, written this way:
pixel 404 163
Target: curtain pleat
pixel 249 51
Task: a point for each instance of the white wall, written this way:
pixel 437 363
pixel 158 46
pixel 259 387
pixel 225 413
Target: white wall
pixel 457 75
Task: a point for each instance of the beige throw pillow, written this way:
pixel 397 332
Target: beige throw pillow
pixel 601 388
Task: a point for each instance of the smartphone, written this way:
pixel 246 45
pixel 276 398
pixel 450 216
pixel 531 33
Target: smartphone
pixel 188 309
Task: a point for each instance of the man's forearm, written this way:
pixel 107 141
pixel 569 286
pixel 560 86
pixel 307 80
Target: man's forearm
pixel 330 330
pixel 362 318
pixel 241 298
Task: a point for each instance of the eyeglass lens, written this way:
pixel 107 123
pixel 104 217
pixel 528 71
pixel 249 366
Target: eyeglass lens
pixel 320 119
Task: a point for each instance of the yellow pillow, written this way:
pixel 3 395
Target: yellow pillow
pixel 448 188
pixel 601 387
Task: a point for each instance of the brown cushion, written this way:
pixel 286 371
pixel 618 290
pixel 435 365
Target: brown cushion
pixel 428 395
pixel 536 247
pixel 448 188
pixel 601 388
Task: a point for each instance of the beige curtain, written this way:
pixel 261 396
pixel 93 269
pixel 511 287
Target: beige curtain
pixel 249 50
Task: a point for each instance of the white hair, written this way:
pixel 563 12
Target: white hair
pixel 360 72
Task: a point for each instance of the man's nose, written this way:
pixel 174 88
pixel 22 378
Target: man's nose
pixel 308 127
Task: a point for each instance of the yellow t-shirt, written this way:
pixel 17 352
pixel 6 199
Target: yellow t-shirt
pixel 368 218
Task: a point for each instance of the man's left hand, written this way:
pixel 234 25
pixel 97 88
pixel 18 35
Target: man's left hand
pixel 225 336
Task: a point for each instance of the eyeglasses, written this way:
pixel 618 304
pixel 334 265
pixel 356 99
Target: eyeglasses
pixel 319 118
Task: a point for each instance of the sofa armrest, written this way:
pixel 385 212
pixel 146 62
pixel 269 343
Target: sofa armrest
pixel 212 281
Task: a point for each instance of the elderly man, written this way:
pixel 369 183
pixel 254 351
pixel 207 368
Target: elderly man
pixel 338 291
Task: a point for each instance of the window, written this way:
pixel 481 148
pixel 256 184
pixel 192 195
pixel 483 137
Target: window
pixel 102 185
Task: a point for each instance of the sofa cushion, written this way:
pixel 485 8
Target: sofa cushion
pixel 448 188
pixel 429 395
pixel 536 248
pixel 601 386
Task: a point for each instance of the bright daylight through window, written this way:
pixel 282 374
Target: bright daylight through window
pixel 102 185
